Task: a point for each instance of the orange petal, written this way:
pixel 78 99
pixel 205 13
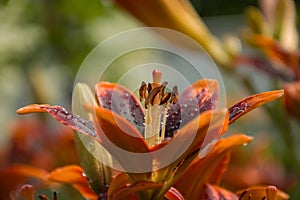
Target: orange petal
pixel 246 105
pixel 210 168
pixel 217 193
pixel 203 129
pixel 32 108
pixel 262 192
pixel 119 131
pixel 122 140
pixel 74 175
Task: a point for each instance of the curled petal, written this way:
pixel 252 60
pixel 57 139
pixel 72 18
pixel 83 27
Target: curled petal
pixel 246 105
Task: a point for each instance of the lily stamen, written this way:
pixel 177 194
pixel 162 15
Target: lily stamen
pixel 156 102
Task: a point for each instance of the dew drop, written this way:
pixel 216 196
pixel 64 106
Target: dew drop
pixel 126 95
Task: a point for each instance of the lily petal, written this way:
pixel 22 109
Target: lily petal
pixel 121 101
pixel 262 192
pixel 208 169
pixel 246 105
pixel 73 175
pixel 119 131
pixel 124 142
pixel 199 97
pixel 63 116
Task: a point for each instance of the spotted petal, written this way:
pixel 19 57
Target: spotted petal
pixel 63 116
pixel 120 100
pixel 246 105
pixel 199 97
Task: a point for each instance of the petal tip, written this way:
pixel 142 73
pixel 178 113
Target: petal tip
pixel 30 109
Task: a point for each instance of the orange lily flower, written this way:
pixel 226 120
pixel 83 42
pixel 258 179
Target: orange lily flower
pixel 191 121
